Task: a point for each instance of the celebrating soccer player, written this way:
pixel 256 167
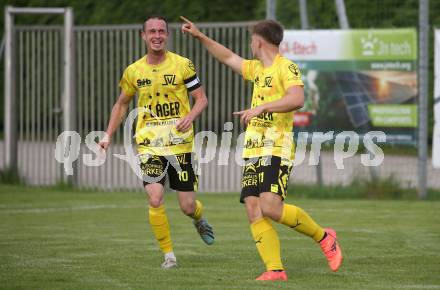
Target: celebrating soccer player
pixel 268 146
pixel 162 81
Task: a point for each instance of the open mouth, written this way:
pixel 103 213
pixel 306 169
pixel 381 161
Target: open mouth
pixel 157 42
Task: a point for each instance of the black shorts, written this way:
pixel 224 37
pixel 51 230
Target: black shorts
pixel 265 174
pixel 155 169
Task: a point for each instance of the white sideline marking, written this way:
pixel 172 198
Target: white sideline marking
pixel 66 209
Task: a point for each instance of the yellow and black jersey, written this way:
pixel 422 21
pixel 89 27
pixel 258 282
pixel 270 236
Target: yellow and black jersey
pixel 270 133
pixel 162 92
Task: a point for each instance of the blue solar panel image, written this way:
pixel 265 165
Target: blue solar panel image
pixel 347 76
pixel 349 87
pixel 358 115
pixel 351 100
pixel 365 99
pixel 357 92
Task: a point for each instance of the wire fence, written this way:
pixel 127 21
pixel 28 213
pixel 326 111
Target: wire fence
pixel 102 53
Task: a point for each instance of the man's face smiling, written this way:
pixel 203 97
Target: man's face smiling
pixel 155 35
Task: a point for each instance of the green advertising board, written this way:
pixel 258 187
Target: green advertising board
pixel 359 80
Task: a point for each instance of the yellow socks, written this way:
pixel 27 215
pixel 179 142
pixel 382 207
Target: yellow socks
pixel 159 222
pixel 300 221
pixel 198 212
pixel 267 243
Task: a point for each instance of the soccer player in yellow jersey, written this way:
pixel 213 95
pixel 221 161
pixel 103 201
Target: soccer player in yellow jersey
pixel 268 146
pixel 162 81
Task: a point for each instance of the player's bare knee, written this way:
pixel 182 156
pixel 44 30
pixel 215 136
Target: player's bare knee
pixel 155 201
pixel 155 204
pixel 268 211
pixel 271 205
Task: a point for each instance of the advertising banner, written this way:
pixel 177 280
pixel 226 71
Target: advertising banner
pixel 358 80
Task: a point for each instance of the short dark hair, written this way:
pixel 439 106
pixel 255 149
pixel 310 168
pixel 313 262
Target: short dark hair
pixel 155 17
pixel 272 31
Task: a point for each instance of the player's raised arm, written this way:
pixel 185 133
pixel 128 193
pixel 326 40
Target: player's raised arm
pixel 291 101
pixel 117 115
pixel 220 52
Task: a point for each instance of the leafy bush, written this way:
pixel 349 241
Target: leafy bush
pixel 9 176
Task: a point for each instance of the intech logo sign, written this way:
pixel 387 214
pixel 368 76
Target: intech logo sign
pixel 369 44
pixel 398 45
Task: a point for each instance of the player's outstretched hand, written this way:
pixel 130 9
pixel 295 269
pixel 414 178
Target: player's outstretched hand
pixel 247 115
pixel 184 124
pixel 189 27
pixel 104 142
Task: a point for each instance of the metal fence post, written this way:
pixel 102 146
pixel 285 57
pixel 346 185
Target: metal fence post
pixel 10 99
pixel 69 104
pixel 271 9
pixel 342 14
pixel 303 14
pixel 423 96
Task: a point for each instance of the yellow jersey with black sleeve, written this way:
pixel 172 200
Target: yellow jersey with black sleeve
pixel 163 99
pixel 270 133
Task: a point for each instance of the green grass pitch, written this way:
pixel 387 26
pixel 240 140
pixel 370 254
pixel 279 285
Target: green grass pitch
pixel 65 239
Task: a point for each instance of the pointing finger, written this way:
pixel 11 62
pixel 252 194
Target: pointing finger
pixel 185 20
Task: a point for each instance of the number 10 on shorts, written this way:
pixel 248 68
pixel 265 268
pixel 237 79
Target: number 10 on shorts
pixel 183 175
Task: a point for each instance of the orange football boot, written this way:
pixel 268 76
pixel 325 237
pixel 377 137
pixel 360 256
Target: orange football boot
pixel 331 250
